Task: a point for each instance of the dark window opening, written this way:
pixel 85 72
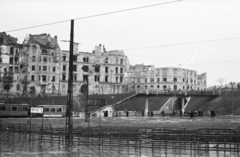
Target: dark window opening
pixel 165 79
pixel 75 68
pixel 106 69
pixel 96 78
pixel 158 86
pixel 64 77
pixel 64 67
pixel 53 78
pixel 52 109
pixel 14 108
pixel 75 78
pixel 46 109
pixel 121 79
pixel 116 79
pixel 54 69
pixel 64 58
pixel 85 59
pixel 158 79
pixel 44 59
pixel 33 78
pixel 121 61
pixel 106 78
pixel 59 109
pixel 121 70
pixel 44 78
pixel 146 80
pixel 175 79
pixel 106 60
pixel 85 68
pixel 97 69
pixel 24 108
pixel 44 68
pixel 116 69
pixel 11 50
pixel 85 77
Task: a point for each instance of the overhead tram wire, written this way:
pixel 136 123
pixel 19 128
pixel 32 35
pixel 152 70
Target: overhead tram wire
pixel 180 44
pixel 103 14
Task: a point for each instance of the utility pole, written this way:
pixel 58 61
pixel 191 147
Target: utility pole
pixel 69 120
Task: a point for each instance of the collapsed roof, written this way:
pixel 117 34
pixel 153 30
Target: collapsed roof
pixel 7 39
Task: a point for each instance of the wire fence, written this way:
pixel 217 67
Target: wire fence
pixel 119 141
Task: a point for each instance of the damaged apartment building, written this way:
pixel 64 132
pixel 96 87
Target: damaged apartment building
pixel 34 63
pixel 103 70
pixel 142 78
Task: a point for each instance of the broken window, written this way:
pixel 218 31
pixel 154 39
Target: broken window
pixel 85 77
pixel 116 79
pixel 106 69
pixel 53 78
pixel 44 59
pixel 11 60
pixel 54 69
pixel 63 77
pixel 85 59
pixel 44 78
pixel 97 69
pixel 106 61
pixel 158 86
pixel 165 79
pixel 32 77
pixel 33 67
pixel 75 78
pixel 11 51
pixel 116 69
pixel 75 68
pixel 121 79
pixel 44 68
pixel 121 70
pixel 146 80
pixel 175 79
pixel 39 68
pixel 96 78
pixel 40 58
pixel 64 58
pixel 158 79
pixel 64 67
pixel 85 68
pixel 106 78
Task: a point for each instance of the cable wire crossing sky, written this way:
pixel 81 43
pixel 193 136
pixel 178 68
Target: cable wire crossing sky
pixel 201 35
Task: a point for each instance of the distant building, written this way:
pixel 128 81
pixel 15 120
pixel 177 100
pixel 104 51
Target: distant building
pixel 103 69
pixel 141 78
pixel 9 59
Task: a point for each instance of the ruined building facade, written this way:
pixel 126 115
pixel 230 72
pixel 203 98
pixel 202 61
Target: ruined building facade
pixel 146 77
pixel 102 70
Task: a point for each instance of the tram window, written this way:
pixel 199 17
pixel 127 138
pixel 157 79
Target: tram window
pixel 59 109
pixel 52 109
pixel 14 108
pixel 3 108
pixel 46 109
pixel 24 108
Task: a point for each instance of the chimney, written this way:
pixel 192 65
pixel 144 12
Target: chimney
pixel 100 48
pixel 104 50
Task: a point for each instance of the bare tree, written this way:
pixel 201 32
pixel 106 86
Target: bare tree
pixel 221 81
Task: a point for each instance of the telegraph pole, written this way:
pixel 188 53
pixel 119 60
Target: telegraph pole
pixel 69 120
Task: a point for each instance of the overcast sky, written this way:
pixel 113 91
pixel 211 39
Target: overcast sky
pixel 202 35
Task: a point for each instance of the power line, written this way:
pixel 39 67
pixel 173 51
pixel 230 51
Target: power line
pixel 215 62
pixel 86 17
pixel 186 43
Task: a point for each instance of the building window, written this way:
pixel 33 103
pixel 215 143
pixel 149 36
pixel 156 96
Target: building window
pixel 85 59
pixel 85 77
pixel 74 67
pixel 158 79
pixel 64 58
pixel 121 70
pixel 152 86
pixel 39 68
pixel 96 78
pixel 121 79
pixel 106 78
pixel 183 79
pixel 152 79
pixel 106 61
pixel 116 79
pixel 164 87
pixel 175 79
pixel 106 69
pixel 44 68
pixel 54 69
pixel 158 86
pixel 49 59
pixel 40 58
pixel 53 78
pixel 33 58
pixel 138 86
pixel 85 68
pixel 33 77
pixel 75 78
pixel 14 108
pixel 11 50
pixel 44 59
pixel 164 79
pixel 59 109
pixel 116 69
pixel 121 61
pixel 146 80
pixel 175 87
pixel 63 77
pixel 18 87
pixel 52 109
pixel 33 67
pixel 64 67
pixel 44 78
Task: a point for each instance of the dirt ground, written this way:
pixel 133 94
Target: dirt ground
pixel 158 122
